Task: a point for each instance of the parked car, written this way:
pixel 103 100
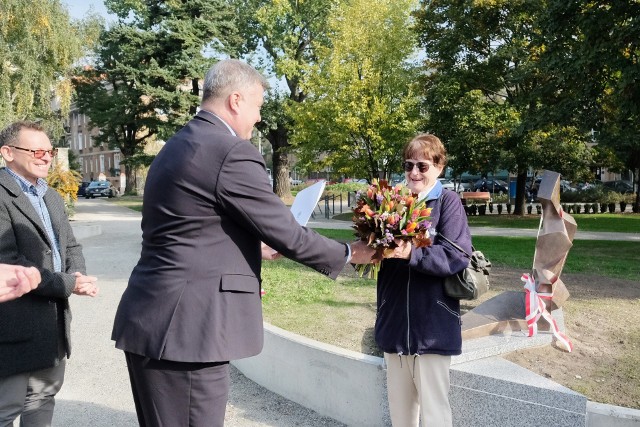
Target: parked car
pixel 619 186
pixel 449 185
pixel 100 189
pixel 82 188
pixel 491 185
pixel 294 181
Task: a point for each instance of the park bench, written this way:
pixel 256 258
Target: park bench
pixel 471 198
pixel 475 196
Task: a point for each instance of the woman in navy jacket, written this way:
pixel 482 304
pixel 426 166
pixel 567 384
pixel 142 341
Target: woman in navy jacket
pixel 417 325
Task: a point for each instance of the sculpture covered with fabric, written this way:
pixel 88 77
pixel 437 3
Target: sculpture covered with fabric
pixel 544 290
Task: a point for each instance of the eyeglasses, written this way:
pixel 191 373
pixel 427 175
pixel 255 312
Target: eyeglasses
pixel 38 154
pixel 422 166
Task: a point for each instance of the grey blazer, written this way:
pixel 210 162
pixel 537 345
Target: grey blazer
pixel 194 295
pixel 32 326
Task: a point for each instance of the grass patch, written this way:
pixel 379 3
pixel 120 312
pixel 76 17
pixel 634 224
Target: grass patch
pixel 601 257
pixel 131 202
pixel 621 223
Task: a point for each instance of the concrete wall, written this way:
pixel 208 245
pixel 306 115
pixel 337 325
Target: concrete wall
pixel 486 390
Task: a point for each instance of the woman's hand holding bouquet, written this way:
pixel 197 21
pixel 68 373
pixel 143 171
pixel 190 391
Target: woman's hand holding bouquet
pixel 385 216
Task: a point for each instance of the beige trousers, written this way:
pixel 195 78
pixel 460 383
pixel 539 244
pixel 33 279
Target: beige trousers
pixel 418 387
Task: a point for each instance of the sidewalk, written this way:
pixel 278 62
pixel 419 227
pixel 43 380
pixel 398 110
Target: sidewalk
pixel 96 391
pixel 322 222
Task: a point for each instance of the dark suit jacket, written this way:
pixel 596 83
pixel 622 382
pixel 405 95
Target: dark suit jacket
pixel 31 326
pixel 194 295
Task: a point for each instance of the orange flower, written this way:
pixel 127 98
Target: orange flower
pixel 411 227
pixel 367 211
pixel 409 201
pixel 370 193
pixel 425 212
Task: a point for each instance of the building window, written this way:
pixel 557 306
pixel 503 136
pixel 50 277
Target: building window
pixel 101 162
pixel 80 141
pixel 116 160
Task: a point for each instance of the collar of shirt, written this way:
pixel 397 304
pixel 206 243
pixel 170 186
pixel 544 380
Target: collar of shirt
pixel 39 189
pixel 220 118
pixel 431 193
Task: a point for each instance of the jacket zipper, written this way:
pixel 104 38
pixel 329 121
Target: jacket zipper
pixel 408 319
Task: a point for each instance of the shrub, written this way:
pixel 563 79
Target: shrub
pixel 336 189
pixel 611 197
pixel 66 183
pixel 500 198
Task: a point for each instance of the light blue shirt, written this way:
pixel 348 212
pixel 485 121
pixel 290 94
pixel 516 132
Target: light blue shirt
pixel 35 194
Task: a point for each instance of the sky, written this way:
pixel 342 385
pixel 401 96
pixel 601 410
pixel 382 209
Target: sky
pixel 79 8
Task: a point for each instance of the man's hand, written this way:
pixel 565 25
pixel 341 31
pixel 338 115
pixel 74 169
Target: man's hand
pixel 85 285
pixel 16 280
pixel 361 253
pixel 402 251
pixel 268 253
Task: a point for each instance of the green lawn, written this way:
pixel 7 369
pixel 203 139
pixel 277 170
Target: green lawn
pixel 623 223
pixel 601 257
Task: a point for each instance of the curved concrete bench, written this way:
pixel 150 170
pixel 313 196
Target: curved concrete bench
pixel 486 390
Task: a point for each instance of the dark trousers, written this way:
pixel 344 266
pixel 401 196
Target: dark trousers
pixel 178 394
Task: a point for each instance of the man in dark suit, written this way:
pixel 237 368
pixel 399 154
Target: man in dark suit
pixel 35 232
pixel 193 300
pixel 16 280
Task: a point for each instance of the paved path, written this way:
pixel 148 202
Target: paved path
pixel 321 222
pixel 96 391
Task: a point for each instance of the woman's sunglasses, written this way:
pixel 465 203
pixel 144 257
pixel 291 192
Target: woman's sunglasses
pixel 422 166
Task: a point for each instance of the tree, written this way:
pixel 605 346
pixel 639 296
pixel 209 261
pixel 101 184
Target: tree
pixel 39 44
pixel 484 60
pixel 288 31
pixel 361 108
pixel 145 83
pixel 597 45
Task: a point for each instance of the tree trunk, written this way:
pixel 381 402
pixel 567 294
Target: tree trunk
pixel 279 139
pixel 130 174
pixel 521 182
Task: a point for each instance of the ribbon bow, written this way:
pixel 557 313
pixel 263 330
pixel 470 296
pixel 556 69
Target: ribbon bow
pixel 536 308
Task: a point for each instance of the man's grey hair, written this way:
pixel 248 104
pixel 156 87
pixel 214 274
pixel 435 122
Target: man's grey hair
pixel 230 75
pixel 9 135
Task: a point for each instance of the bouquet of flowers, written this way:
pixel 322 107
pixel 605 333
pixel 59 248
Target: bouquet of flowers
pixel 383 214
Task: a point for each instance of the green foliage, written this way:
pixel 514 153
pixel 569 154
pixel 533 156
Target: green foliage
pixel 343 189
pixel 39 43
pixel 487 91
pixel 289 31
pixel 596 45
pixel 145 83
pixel 361 106
pixel 66 183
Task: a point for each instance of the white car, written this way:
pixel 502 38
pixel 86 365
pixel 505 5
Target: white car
pixel 447 184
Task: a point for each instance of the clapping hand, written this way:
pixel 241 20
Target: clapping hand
pixel 16 280
pixel 85 285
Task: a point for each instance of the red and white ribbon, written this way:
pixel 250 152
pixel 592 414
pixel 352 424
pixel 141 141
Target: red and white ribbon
pixel 536 308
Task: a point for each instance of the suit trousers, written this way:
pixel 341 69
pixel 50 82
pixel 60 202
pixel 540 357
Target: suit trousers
pixel 178 394
pixel 30 395
pixel 418 387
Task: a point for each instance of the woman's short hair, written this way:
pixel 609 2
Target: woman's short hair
pixel 230 75
pixel 426 146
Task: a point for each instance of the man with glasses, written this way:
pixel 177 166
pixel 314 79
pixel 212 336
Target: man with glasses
pixel 35 232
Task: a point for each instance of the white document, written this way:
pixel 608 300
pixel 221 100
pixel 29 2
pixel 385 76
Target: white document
pixel 306 201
